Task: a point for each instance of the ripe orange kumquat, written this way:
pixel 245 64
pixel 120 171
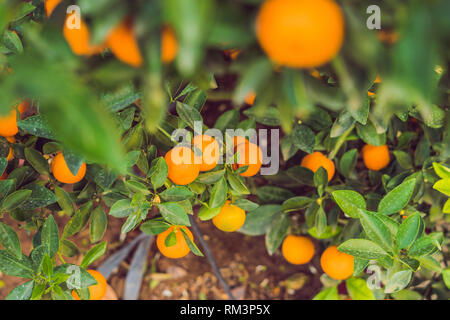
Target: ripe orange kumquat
pixel 123 43
pixel 337 265
pixel 180 248
pixel 297 249
pixel 249 155
pixel 375 157
pixel 169 45
pixel 209 149
pixel 300 33
pixel 8 124
pixel 182 167
pixel 96 291
pixel 79 39
pixel 316 160
pixel 62 173
pixel 230 218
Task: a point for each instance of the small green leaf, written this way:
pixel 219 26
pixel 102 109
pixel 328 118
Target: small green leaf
pixel 158 172
pixel 177 193
pixel 15 199
pixel 98 224
pixel 408 231
pixel 174 213
pixel 351 202
pixel 155 226
pixel 21 292
pixel 361 248
pixel 10 240
pixel 358 290
pixel 276 232
pixel 94 254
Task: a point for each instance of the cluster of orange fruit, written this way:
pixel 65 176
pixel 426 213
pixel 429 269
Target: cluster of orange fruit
pixel 300 250
pixel 96 291
pixel 121 40
pixel 374 157
pixel 185 166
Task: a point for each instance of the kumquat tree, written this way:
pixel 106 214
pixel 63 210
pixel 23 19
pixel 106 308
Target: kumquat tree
pixel 232 149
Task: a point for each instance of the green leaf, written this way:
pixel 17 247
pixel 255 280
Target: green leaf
pixel 210 177
pixel 218 194
pixel 68 248
pixel 37 256
pixel 50 236
pixel 177 193
pixel 398 281
pixel 97 224
pixel 271 194
pixel 188 114
pixel 397 198
pixel 276 232
pixel 258 221
pixel 376 230
pixel 16 267
pixel 328 294
pixel 303 138
pixel 358 290
pixel 268 116
pixel 21 292
pixel 446 277
pixel 422 246
pixel 351 202
pixel 79 277
pixel 10 240
pixel 408 231
pixel 246 205
pixel 329 232
pixel 361 248
pixel 73 160
pixel 195 250
pixel 443 186
pixel 122 208
pixel 237 184
pixel 227 120
pixel 155 226
pixel 368 133
pixel 64 201
pixel 348 162
pixel 78 221
pixel 403 159
pixel 320 221
pixel 407 295
pixel 296 203
pixel 94 254
pixel 442 171
pixel 11 40
pixel 37 126
pixel 158 172
pixel 37 161
pixel 15 199
pixel 174 213
pixel 5 187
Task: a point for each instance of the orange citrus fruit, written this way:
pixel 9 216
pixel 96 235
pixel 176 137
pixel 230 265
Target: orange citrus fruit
pixel 249 155
pixel 79 39
pixel 375 158
pixel 316 160
pixel 8 124
pixel 50 5
pixel 180 248
pixel 96 291
pixel 123 43
pixel 169 45
pixel 337 265
pixel 230 218
pixel 300 33
pixel 182 167
pixel 62 173
pixel 209 148
pixel 297 249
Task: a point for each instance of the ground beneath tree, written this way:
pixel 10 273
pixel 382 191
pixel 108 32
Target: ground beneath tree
pixel 243 260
